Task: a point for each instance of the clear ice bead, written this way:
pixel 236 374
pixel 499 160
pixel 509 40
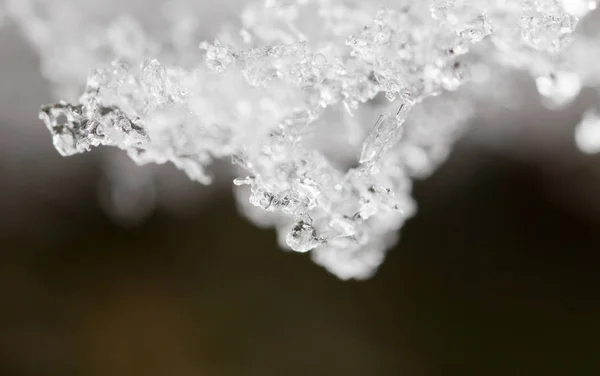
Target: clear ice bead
pixel 303 237
pixel 65 122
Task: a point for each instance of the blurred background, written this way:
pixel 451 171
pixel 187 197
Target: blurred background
pixel 496 275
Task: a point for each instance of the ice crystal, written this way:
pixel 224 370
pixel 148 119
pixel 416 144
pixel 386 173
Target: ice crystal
pixel 384 135
pixel 295 73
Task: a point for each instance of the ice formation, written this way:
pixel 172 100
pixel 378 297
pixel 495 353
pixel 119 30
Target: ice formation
pixel 295 95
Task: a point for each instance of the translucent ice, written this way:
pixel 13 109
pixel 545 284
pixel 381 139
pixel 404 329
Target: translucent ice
pixel 291 96
pixel 303 237
pixel 384 135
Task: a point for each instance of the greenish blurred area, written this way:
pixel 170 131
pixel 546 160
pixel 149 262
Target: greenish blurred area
pixel 491 277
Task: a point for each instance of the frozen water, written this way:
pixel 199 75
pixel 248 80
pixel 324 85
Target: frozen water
pixel 263 93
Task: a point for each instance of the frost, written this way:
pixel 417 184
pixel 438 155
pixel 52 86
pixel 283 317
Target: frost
pixel 296 98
